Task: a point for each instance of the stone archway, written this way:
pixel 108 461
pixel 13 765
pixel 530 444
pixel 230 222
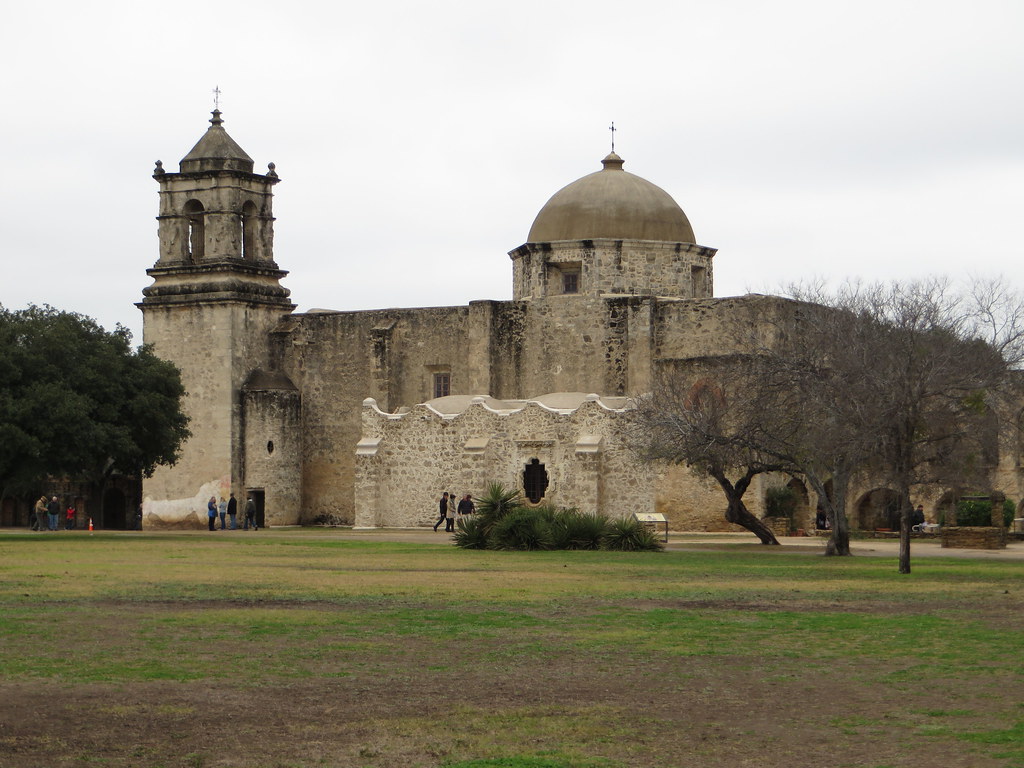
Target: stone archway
pixel 879 508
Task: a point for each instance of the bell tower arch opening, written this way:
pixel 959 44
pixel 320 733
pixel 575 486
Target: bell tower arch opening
pixel 250 231
pixel 195 239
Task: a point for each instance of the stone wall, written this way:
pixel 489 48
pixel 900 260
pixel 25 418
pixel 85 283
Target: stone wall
pixel 215 346
pixel 337 359
pixel 973 537
pixel 506 349
pixel 405 461
pixel 272 445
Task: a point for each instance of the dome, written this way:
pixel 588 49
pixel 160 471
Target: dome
pixel 611 203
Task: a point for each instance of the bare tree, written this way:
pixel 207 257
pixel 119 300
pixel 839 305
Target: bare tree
pixel 911 374
pixel 892 381
pixel 814 355
pixel 715 416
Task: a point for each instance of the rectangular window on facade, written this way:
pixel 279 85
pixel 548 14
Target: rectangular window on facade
pixel 570 282
pixel 442 384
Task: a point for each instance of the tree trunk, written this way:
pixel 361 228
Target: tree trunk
pixel 905 513
pixel 839 542
pixel 738 513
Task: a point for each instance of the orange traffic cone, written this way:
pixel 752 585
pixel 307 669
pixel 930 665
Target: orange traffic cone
pixel 90 526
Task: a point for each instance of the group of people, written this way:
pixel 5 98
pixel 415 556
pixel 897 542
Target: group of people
pixel 450 510
pixel 46 514
pixel 228 509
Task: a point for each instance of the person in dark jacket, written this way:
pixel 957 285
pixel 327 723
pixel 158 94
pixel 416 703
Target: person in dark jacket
pixel 53 511
pixel 443 511
pixel 233 511
pixel 250 514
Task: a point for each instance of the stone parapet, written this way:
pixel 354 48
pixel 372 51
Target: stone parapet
pixel 973 537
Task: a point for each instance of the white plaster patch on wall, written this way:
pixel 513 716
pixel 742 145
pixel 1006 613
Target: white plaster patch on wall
pixel 184 513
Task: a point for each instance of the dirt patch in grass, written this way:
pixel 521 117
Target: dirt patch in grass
pixel 437 698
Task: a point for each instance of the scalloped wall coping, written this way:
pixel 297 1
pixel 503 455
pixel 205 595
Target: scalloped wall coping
pixel 563 403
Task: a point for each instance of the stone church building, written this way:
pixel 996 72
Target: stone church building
pixel 365 417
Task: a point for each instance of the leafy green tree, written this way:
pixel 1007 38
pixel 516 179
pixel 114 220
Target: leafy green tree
pixel 78 401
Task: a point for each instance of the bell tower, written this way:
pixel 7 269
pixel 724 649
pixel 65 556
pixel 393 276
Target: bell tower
pixel 215 295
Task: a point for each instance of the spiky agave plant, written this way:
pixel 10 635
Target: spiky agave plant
pixel 496 503
pixel 627 534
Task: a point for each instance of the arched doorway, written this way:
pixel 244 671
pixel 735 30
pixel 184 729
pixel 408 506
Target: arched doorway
pixel 879 508
pixel 114 509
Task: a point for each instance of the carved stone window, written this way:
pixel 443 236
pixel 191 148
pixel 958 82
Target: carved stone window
pixel 535 481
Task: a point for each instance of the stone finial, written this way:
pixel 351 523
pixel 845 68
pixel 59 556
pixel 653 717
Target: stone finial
pixel 159 170
pixel 272 170
pixel 216 119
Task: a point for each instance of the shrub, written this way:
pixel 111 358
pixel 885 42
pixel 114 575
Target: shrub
pixel 572 529
pixel 502 522
pixel 979 512
pixel 524 529
pixel 780 502
pixel 627 534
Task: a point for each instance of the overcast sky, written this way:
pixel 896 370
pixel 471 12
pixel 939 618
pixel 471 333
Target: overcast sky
pixel 416 141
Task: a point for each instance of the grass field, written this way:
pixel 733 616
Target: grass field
pixel 303 648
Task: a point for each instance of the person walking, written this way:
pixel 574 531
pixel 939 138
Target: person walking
pixel 39 515
pixel 211 512
pixel 250 514
pixel 223 509
pixel 233 512
pixel 443 512
pixel 466 506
